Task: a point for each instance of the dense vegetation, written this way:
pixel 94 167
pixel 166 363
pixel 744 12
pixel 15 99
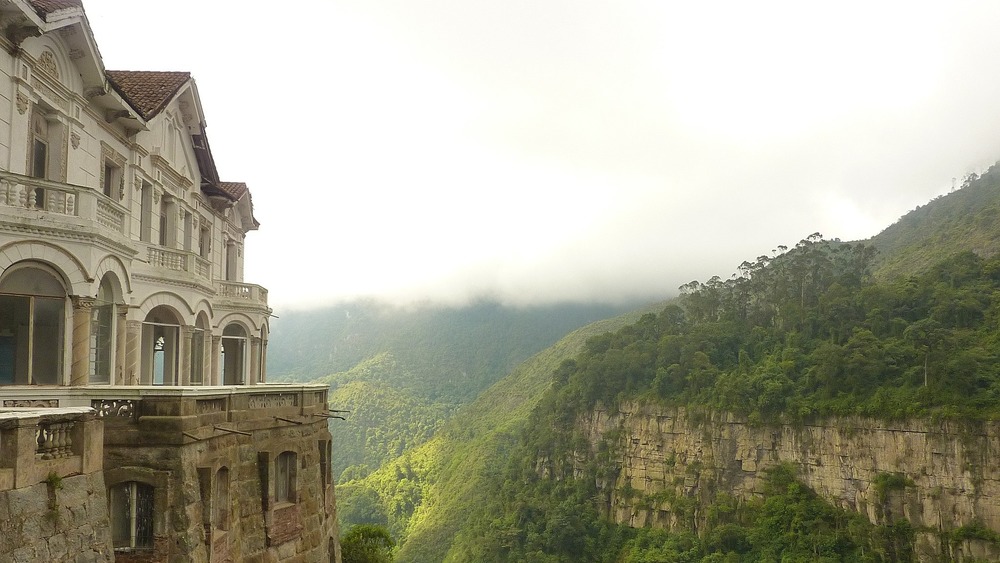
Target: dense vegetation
pixel 383 422
pixel 808 334
pixel 543 520
pixel 426 495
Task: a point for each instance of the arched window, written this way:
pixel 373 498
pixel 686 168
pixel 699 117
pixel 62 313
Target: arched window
pixel 32 319
pixel 131 508
pixel 284 478
pixel 160 339
pixel 102 334
pixel 234 355
pixel 220 500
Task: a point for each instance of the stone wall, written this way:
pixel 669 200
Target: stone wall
pixel 66 520
pixel 953 467
pixel 52 498
pixel 183 445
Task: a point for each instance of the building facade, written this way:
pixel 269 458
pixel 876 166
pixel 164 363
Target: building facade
pixel 122 294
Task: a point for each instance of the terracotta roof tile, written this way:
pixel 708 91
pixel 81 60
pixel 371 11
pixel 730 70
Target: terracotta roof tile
pixel 148 91
pixel 43 7
pixel 233 189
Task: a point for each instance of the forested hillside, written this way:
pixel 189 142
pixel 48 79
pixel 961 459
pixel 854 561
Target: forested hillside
pixel 814 331
pixel 965 220
pixel 445 355
pixel 426 495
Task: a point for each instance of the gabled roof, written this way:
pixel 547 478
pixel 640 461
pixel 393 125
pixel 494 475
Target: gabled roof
pixel 43 7
pixel 147 91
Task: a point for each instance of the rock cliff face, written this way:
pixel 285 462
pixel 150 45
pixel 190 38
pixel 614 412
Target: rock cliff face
pixel 669 463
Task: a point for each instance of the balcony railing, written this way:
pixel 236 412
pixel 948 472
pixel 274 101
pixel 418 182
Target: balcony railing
pixel 179 261
pixel 25 192
pixel 247 293
pixel 36 444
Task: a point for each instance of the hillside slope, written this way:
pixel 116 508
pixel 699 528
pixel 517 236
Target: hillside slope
pixel 443 355
pixel 427 493
pixel 791 346
pixel 965 220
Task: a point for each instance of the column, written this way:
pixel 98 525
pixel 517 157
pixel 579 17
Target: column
pixel 80 368
pixel 133 344
pixel 121 330
pixel 254 376
pixel 263 361
pixel 184 377
pixel 213 352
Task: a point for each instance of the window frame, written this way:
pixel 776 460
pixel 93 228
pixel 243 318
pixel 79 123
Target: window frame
pixel 140 499
pixel 285 478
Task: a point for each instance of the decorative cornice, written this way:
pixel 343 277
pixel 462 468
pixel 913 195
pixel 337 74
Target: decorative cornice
pixel 206 291
pixel 116 247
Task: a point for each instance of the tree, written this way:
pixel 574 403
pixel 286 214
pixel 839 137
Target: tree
pixel 367 543
pixel 925 335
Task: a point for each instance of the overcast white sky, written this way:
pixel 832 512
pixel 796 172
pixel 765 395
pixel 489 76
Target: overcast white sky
pixel 539 151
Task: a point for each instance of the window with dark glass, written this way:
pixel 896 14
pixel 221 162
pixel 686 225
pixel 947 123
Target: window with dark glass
pixel 131 508
pixel 284 477
pixel 220 500
pixel 32 308
pixel 102 335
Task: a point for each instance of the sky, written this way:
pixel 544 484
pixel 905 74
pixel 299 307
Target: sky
pixel 539 151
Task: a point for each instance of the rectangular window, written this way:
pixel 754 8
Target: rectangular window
pixel 111 179
pixel 205 242
pixel 146 213
pixel 284 477
pixel 39 158
pixel 188 227
pixel 198 357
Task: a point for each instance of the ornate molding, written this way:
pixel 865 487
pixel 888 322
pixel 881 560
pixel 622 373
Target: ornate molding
pixel 47 64
pixel 32 403
pixel 22 103
pixel 272 401
pixel 124 408
pixel 74 139
pixel 82 303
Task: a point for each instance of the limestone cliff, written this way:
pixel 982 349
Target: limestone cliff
pixel 667 464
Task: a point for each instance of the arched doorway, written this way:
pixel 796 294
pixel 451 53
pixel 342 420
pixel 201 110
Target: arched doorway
pixel 160 345
pixel 233 357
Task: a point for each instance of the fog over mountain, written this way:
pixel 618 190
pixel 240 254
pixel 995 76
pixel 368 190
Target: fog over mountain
pixel 538 152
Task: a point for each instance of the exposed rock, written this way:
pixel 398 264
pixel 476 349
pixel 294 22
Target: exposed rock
pixel 664 456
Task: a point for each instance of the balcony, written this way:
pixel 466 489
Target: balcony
pixel 178 261
pixel 86 206
pixel 242 294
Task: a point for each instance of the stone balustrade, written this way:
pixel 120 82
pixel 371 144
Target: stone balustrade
pixel 178 261
pixel 245 293
pixel 60 199
pixel 42 444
